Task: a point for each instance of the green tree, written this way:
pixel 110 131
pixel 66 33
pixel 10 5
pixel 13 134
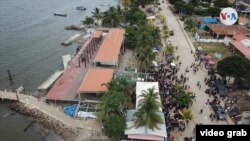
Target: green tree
pixel 170 49
pixel 131 37
pixel 213 11
pixel 113 103
pixel 194 2
pixel 114 127
pixel 189 23
pixel 234 66
pixel 120 84
pixel 148 107
pixel 179 5
pixel 97 14
pixel 145 57
pixel 183 99
pixel 111 17
pixel 221 3
pixel 88 21
pixel 186 114
pixel 155 33
pixel 135 16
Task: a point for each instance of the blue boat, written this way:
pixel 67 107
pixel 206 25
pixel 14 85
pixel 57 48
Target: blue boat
pixel 80 8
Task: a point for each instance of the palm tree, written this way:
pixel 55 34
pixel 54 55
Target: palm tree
pixel 111 17
pixel 145 57
pixel 88 21
pixel 120 84
pixel 183 99
pixel 170 49
pixel 155 33
pixel 97 15
pixel 112 103
pixel 148 107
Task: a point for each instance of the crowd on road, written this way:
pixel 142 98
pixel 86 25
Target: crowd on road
pixel 171 84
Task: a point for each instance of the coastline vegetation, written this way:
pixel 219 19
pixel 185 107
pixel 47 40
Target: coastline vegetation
pixel 141 36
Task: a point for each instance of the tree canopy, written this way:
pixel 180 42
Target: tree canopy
pixel 183 99
pixel 88 21
pixel 234 66
pixel 148 107
pixel 114 127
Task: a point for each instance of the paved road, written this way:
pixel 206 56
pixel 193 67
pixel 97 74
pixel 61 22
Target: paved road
pixel 184 44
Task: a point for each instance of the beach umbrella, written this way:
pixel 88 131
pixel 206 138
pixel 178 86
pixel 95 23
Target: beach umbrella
pixel 211 62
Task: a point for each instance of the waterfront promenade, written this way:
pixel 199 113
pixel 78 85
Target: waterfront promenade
pixel 52 111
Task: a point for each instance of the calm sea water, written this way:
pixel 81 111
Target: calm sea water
pixel 30 37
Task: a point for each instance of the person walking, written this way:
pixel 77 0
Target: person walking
pixel 201 111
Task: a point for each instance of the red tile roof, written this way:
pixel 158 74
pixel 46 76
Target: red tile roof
pixel 237 43
pixel 94 79
pixel 110 48
pixel 229 30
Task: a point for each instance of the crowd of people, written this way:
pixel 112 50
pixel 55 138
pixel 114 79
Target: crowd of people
pixel 171 81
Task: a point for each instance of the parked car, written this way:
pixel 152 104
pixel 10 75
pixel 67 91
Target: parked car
pixel 220 112
pixel 171 32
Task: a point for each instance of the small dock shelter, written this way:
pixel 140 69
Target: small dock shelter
pixel 94 80
pixel 109 52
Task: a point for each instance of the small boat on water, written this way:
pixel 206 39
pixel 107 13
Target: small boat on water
pixel 63 15
pixel 80 8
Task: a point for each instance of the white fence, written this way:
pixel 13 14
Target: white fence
pixel 211 40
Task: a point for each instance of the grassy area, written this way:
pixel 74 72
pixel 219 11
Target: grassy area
pixel 212 48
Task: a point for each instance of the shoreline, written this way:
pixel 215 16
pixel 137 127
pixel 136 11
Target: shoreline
pixel 67 133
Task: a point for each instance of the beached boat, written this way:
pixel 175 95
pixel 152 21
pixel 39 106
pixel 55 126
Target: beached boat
pixel 80 8
pixel 63 15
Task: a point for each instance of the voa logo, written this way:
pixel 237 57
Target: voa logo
pixel 228 16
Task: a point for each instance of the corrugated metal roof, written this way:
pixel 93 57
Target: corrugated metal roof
pixel 209 20
pixel 94 79
pixel 144 86
pixel 144 132
pixel 110 48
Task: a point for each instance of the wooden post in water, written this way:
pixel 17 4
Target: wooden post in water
pixel 10 77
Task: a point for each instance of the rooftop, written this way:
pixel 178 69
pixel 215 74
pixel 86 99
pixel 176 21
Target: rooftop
pixel 110 48
pixel 144 133
pixel 144 86
pixel 94 80
pixel 242 43
pixel 229 30
pixel 209 20
pixel 66 87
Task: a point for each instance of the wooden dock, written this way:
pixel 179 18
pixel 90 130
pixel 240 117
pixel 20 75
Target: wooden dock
pixel 66 59
pixel 46 84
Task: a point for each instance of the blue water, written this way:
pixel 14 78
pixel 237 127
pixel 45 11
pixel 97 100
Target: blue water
pixel 30 37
